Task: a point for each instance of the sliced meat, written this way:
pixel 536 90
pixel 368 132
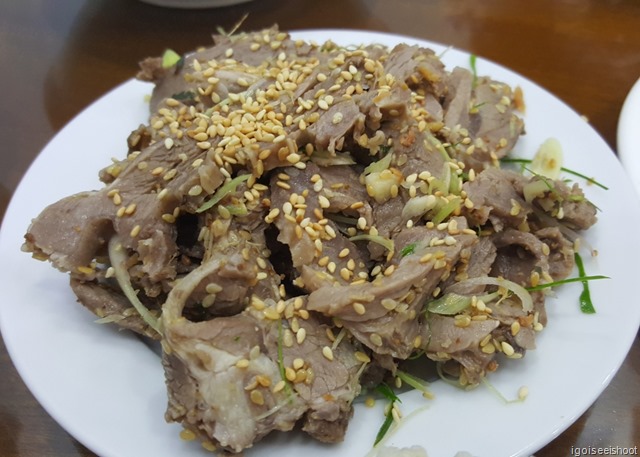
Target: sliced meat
pixel 384 314
pixel 320 253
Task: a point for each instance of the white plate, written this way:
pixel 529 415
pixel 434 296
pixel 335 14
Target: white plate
pixel 107 388
pixel 628 125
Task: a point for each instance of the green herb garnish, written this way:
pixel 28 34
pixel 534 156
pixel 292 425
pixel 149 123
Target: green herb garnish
pixel 223 191
pixel 474 71
pixel 408 249
pixel 386 391
pixel 386 425
pixel 184 96
pixel 566 170
pixel 446 210
pixel 565 281
pixel 586 305
pixel 170 58
pixel 415 382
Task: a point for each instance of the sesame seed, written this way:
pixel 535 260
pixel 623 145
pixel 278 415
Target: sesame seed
pixel 135 231
pixel 359 308
pixel 280 385
pixel 187 435
pixel 375 339
pixel 523 392
pixel 362 357
pixel 323 201
pixel 327 352
pixel 507 348
pixel 261 275
pixel 290 374
pixel 301 335
pixel 257 397
pixel 129 210
pixel 242 363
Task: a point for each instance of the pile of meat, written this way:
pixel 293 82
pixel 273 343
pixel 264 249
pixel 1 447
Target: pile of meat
pixel 296 220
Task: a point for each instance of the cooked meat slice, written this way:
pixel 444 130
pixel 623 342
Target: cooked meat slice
pixel 219 381
pixel 242 272
pixel 496 200
pixel 320 253
pixel 327 373
pixel 450 338
pixel 479 117
pixel 457 102
pixel 234 363
pixel 384 314
pixel 219 372
pixel 112 306
pixel 449 341
pixel 519 255
pixel 561 252
pixel 476 262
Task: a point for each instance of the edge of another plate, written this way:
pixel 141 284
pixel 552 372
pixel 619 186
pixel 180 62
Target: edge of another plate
pixel 628 149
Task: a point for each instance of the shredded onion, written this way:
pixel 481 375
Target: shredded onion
pixel 172 308
pixel 518 290
pixel 417 206
pixel 118 259
pixel 326 159
pixel 382 241
pixel 382 164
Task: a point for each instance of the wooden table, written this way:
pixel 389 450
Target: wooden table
pixel 59 56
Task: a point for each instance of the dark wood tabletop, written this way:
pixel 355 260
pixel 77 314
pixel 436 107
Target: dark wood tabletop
pixel 57 57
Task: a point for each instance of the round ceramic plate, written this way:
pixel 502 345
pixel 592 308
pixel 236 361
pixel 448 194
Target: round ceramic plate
pixel 107 388
pixel 628 149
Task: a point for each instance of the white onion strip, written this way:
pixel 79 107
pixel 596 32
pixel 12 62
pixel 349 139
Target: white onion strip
pixel 521 292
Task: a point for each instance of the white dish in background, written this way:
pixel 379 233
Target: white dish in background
pixel 194 4
pixel 628 131
pixel 106 388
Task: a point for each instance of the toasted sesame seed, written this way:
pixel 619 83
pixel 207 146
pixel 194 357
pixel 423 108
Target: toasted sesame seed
pixel 375 339
pixel 323 201
pixel 290 374
pixel 488 348
pixel 187 435
pixel 523 392
pixel 271 314
pixel 362 357
pixel 301 335
pixel 507 348
pixel 359 308
pixel 280 385
pixel 327 352
pixel 129 210
pixel 257 397
pixel 242 363
pixel 135 231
